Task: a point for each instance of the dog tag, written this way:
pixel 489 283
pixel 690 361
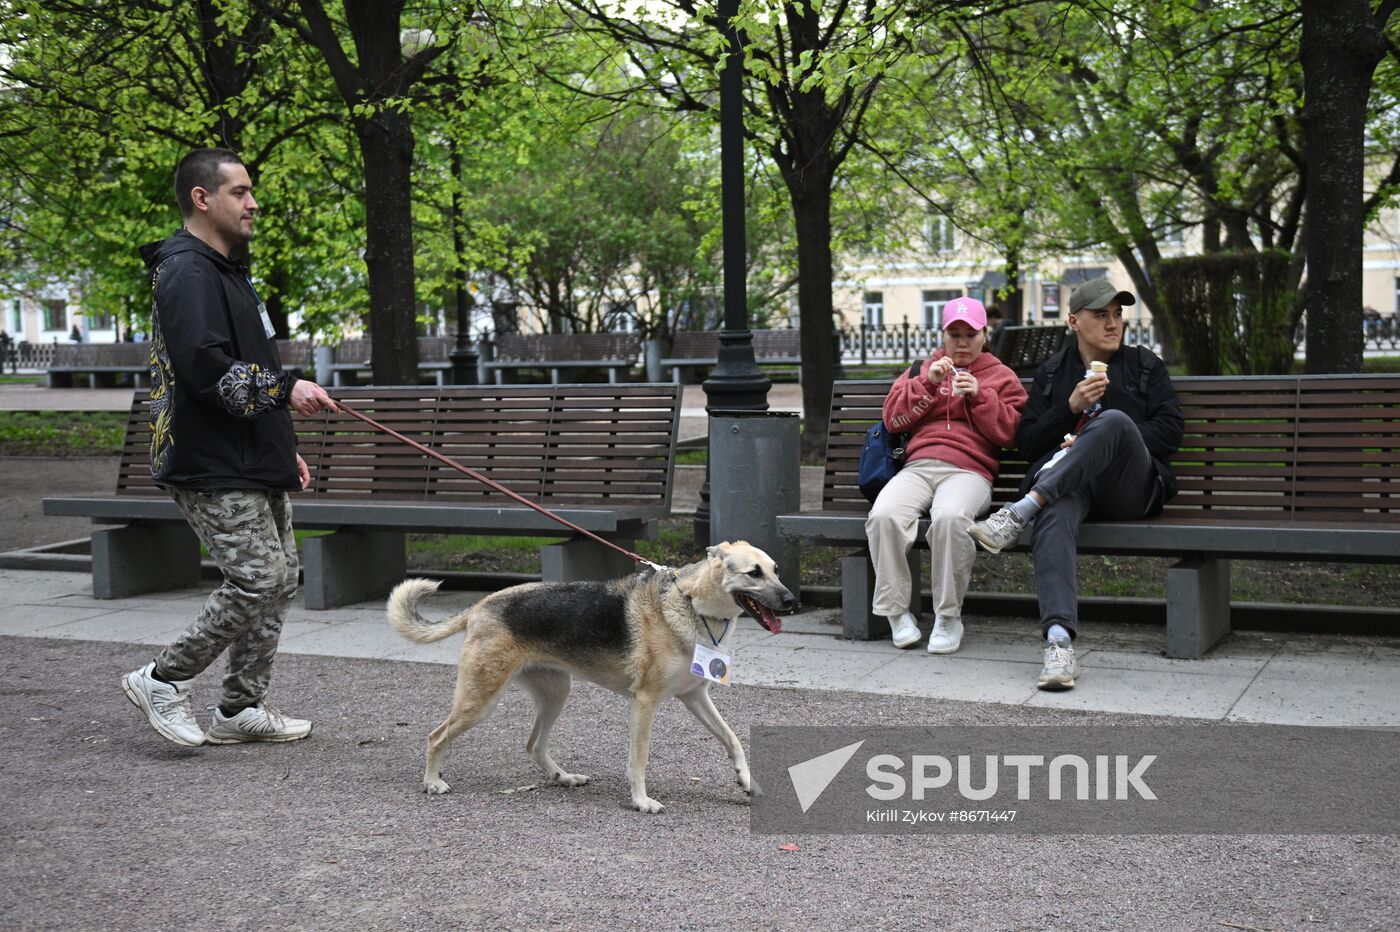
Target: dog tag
pixel 710 664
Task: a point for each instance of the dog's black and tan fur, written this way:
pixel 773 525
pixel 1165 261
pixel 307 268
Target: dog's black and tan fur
pixel 635 636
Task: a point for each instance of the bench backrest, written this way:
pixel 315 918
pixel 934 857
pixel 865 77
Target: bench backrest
pixel 767 344
pixel 1262 447
pixel 295 354
pixel 1023 348
pixel 356 351
pixel 598 445
pixel 567 347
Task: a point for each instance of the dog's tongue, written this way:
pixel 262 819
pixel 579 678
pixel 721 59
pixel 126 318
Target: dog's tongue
pixel 762 614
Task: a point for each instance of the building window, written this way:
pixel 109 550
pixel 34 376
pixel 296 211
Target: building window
pixel 932 307
pixel 875 308
pixel 1050 300
pixel 14 323
pixel 939 233
pixel 100 322
pixel 55 315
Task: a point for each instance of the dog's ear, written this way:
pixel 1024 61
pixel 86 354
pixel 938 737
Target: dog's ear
pixel 718 551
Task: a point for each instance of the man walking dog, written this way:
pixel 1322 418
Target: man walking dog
pixel 223 447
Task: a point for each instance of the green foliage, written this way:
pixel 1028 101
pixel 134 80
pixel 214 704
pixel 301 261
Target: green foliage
pixel 1231 312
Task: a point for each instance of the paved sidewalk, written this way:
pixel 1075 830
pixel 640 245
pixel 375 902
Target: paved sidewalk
pixel 1250 677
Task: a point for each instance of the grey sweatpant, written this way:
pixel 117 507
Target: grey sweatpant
pixel 249 535
pixel 1107 474
pixel 952 498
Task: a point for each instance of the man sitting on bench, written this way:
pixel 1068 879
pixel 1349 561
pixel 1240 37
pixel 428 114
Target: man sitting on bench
pixel 1098 445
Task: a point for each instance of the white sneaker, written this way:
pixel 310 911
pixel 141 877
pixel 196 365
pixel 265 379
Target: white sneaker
pixel 259 722
pixel 904 630
pixel 167 705
pixel 946 636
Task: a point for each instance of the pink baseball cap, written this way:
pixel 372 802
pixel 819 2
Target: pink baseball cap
pixel 968 310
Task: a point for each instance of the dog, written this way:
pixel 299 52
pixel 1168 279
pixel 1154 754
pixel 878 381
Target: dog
pixel 635 636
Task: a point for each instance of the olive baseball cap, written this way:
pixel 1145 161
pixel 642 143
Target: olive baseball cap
pixel 1097 294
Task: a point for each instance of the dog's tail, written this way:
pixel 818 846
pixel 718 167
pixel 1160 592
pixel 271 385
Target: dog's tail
pixel 403 613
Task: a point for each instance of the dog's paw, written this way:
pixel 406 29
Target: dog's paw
pixel 436 787
pixel 570 779
pixel 647 804
pixel 744 780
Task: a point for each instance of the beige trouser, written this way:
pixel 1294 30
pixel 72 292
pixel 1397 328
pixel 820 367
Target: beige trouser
pixel 952 498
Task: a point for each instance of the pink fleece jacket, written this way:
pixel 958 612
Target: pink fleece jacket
pixel 967 431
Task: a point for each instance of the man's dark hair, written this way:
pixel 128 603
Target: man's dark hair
pixel 200 169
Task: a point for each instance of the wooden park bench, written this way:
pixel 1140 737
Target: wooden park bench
pixel 699 349
pixel 101 363
pixel 1271 468
pixel 618 353
pixel 352 359
pixel 1023 349
pixel 601 456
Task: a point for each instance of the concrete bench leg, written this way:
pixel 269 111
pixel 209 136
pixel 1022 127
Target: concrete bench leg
pixel 139 558
pixel 581 559
pixel 858 622
pixel 1198 606
pixel 351 566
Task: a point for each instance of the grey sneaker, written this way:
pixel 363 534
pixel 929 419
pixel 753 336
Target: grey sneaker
pixel 259 722
pixel 1060 667
pixel 167 705
pixel 998 531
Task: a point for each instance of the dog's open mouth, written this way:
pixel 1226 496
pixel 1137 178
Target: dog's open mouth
pixel 760 612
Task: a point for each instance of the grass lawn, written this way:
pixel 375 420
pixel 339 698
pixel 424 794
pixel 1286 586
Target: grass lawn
pixel 61 433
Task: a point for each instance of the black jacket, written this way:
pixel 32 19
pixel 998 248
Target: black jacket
pixel 1138 385
pixel 219 415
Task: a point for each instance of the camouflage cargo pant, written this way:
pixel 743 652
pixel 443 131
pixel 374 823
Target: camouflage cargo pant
pixel 249 535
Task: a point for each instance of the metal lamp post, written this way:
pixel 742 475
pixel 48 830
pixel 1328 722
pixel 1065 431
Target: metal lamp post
pixel 735 384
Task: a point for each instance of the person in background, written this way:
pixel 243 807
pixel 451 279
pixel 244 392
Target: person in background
pixel 960 410
pixel 996 323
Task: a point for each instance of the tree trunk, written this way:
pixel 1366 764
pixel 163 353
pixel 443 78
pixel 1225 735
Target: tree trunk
pixel 386 140
pixel 811 208
pixel 277 281
pixel 1341 47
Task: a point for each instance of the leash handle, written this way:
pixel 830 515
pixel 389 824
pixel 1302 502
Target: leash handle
pixel 493 484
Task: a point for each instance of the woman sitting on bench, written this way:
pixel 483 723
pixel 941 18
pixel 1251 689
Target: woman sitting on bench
pixel 960 410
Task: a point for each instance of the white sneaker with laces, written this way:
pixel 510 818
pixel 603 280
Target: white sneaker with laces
pixel 1000 530
pixel 946 636
pixel 167 705
pixel 904 630
pixel 259 722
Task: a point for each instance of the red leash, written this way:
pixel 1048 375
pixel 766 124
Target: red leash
pixel 493 484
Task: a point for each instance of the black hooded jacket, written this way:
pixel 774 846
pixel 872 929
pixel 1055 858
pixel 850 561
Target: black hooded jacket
pixel 1138 385
pixel 219 397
